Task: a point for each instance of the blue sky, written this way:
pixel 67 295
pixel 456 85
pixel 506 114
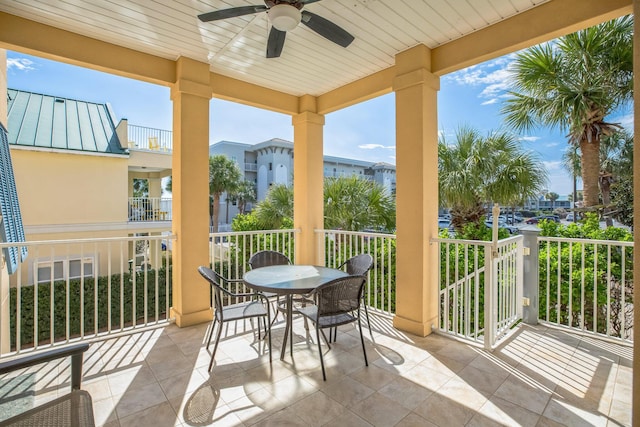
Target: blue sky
pixel 366 131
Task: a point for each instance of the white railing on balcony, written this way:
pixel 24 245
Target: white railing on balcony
pixel 480 288
pixel 229 252
pixel 592 291
pixel 251 167
pixel 149 209
pixel 340 245
pixel 53 299
pixel 144 138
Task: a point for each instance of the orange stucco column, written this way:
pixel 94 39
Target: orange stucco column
pixel 416 192
pixel 308 205
pixel 636 208
pixel 190 95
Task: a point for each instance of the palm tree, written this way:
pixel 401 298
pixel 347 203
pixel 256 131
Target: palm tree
pixel 140 187
pixel 574 84
pixel 224 175
pixel 622 193
pixel 276 210
pixel 350 203
pixel 553 197
pixel 571 163
pixel 355 204
pixel 243 194
pixel 615 163
pixel 475 170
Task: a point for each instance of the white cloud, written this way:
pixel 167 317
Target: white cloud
pixel 529 138
pixel 494 75
pixel 626 121
pixel 551 144
pixel 553 165
pixel 21 64
pixel 491 101
pixel 374 146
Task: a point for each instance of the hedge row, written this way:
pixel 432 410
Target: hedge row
pixel 121 300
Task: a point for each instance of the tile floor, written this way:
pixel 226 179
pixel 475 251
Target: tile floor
pixel 538 377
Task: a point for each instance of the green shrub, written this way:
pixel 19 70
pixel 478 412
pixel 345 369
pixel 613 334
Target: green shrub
pixel 591 292
pixel 79 308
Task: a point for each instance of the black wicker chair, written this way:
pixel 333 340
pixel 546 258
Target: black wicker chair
pixel 359 265
pixel 266 259
pixel 252 305
pixel 337 303
pixel 73 409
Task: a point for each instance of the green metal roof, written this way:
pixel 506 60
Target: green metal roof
pixel 44 121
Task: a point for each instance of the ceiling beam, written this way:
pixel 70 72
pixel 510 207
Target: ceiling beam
pixel 545 22
pixel 366 88
pixel 235 90
pixel 33 38
pixel 542 23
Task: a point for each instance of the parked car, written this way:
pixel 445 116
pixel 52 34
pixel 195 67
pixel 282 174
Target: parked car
pixel 570 217
pixel 510 228
pixel 537 219
pixel 444 223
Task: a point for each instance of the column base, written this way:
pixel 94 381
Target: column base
pixel 190 319
pixel 421 329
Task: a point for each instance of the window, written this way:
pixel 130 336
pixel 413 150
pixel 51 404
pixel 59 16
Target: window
pixel 270 166
pixel 72 268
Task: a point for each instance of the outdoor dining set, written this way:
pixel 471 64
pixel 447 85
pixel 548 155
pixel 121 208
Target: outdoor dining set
pixel 327 297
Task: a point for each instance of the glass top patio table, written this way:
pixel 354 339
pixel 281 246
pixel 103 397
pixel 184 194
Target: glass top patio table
pixel 288 280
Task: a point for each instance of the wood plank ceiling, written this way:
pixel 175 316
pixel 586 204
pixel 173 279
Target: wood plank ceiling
pixel 235 47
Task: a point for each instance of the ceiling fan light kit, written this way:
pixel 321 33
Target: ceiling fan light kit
pixel 284 17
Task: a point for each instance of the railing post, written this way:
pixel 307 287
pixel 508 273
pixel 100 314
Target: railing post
pixel 490 294
pixel 531 286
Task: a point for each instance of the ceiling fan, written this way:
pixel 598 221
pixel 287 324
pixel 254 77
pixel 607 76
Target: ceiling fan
pixel 285 15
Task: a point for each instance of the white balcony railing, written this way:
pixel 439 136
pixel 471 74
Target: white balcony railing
pixel 229 252
pixel 70 290
pixel 340 245
pixel 144 138
pixel 52 299
pixel 143 209
pixel 587 285
pixel 480 288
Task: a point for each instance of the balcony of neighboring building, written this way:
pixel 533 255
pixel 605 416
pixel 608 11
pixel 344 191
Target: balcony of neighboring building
pixel 149 148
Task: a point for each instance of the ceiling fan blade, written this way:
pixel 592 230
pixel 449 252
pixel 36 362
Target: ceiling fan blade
pixel 231 13
pixel 326 29
pixel 310 1
pixel 275 42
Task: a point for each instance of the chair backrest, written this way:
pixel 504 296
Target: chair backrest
pixel 359 265
pixel 267 258
pixel 216 289
pixel 340 295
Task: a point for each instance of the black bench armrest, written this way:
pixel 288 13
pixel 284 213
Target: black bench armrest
pixel 75 351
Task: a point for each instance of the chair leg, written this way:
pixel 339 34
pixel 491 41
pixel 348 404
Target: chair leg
pixel 277 305
pixel 215 346
pixel 328 341
pixel 268 322
pixel 364 350
pixel 324 375
pixel 213 325
pixel 366 312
